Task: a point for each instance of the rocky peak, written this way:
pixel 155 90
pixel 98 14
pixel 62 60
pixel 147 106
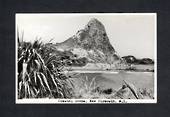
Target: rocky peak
pixel 94 36
pixel 95 24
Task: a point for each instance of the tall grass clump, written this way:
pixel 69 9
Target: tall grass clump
pixel 86 88
pixel 40 72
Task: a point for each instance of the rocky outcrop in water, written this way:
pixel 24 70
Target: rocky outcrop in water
pixel 132 60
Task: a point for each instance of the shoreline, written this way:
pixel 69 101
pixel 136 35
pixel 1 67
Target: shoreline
pixel 104 68
pixel 107 71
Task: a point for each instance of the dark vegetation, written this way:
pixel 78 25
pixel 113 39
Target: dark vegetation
pixel 133 60
pixel 40 72
pixel 79 62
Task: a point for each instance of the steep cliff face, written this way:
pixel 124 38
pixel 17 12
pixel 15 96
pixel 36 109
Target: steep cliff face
pixel 92 42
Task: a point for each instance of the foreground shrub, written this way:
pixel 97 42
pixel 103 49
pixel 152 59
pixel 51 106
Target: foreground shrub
pixel 40 72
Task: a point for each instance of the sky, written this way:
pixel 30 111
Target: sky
pixel 130 34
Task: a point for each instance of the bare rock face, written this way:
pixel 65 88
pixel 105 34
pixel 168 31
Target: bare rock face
pixel 92 38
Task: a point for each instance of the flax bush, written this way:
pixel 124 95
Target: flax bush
pixel 40 72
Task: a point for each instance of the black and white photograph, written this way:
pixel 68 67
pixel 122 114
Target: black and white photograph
pixel 86 58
